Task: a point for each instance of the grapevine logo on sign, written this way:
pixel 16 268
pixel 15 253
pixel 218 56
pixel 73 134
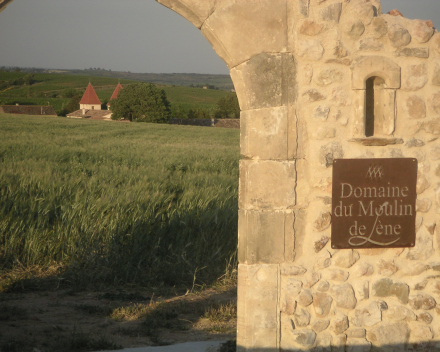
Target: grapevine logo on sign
pixel 374 203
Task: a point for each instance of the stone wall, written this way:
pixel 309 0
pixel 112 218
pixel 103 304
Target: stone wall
pixel 309 75
pixel 226 123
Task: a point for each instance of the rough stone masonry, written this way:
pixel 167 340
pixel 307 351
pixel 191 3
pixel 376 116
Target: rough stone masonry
pixel 319 80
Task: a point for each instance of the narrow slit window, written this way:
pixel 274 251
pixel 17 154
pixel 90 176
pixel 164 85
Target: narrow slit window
pixel 369 107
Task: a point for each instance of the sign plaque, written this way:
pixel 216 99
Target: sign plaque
pixel 374 203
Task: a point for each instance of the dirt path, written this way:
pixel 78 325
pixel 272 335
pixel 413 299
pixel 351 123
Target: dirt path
pixel 64 320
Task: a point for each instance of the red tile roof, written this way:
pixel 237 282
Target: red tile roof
pixel 90 96
pixel 116 92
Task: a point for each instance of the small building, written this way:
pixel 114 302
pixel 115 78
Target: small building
pixel 115 94
pixel 90 100
pixel 37 110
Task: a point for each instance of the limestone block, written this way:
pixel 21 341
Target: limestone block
pixel 359 113
pixel 414 143
pixel 311 279
pixel 361 289
pixel 369 66
pixel 435 44
pixel 415 107
pixel 339 324
pixel 307 72
pixel 344 296
pixel 423 205
pixel 298 8
pixel 329 152
pixel 346 258
pixel 369 315
pixel 304 298
pixel 239 30
pixel 311 28
pixel 340 51
pixel 421 333
pixel 421 30
pixel 370 44
pixel 323 132
pixel 257 307
pixel 356 333
pixel 336 275
pixel 379 27
pixel 310 49
pixel 323 221
pixel 323 260
pixel 424 317
pixel 323 286
pixel 358 345
pixel 434 102
pixel 267 185
pixel 390 334
pixel 320 325
pixel 328 76
pixel 436 75
pixel 319 245
pixel 321 112
pixel 289 269
pixel 413 52
pixel 414 269
pixel 303 338
pixel 354 28
pixel 340 96
pixel 422 301
pixel 415 77
pixel 323 342
pixel 339 342
pixel 398 313
pixel 431 126
pixel 193 10
pixel 266 80
pixel 322 303
pixel 331 13
pixel 313 95
pixel 398 35
pixel 387 288
pixel 263 133
pixel 423 248
pixel 386 268
pixel 361 9
pixel 255 230
pixel 301 317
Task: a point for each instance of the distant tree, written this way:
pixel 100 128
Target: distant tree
pixel 28 79
pixel 69 92
pixel 17 69
pixel 142 102
pixel 198 113
pixel 228 107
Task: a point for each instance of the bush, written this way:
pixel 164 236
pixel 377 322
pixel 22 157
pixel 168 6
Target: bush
pixel 142 102
pixel 228 107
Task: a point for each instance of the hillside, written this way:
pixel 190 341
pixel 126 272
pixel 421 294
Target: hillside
pixel 222 82
pixel 54 89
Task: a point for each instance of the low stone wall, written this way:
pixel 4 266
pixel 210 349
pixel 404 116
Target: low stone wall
pixel 226 123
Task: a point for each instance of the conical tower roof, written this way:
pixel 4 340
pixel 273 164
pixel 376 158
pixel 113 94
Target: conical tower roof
pixel 90 96
pixel 116 92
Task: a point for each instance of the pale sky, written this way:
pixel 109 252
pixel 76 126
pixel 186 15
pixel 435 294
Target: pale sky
pixel 123 35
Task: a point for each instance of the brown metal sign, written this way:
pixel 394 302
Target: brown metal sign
pixel 374 203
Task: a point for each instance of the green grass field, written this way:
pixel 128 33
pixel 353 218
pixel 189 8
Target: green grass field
pixel 48 90
pixel 115 202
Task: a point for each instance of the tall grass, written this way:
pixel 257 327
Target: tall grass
pixel 118 202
